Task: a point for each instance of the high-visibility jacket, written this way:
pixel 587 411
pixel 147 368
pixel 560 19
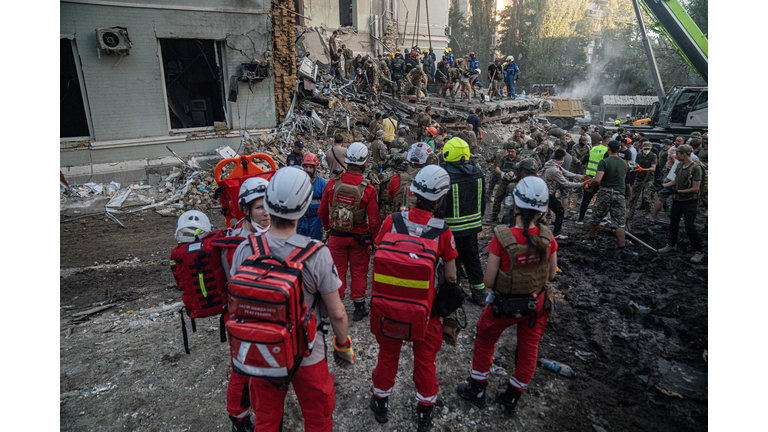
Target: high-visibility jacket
pixel 595 155
pixel 464 204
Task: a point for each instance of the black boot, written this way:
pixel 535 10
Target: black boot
pixel 473 391
pixel 478 296
pixel 361 310
pixel 380 406
pixel 508 400
pixel 242 425
pixel 424 413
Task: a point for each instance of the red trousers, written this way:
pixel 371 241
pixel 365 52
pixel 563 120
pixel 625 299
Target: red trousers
pixel 424 354
pixel 238 400
pixel 489 330
pixel 314 389
pixel 348 254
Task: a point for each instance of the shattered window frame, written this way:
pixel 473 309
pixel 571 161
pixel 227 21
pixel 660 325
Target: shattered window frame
pixel 219 106
pixel 83 92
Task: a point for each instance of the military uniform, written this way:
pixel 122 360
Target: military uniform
pixel 373 127
pixel 454 76
pixel 415 79
pixel 506 165
pixel 398 146
pixel 644 182
pixel 423 122
pixel 398 69
pixel 544 152
pixel 380 154
pixel 348 63
pixel 495 177
pixel 471 140
pixel 441 79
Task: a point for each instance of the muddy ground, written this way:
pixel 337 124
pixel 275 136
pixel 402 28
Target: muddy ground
pixel 635 332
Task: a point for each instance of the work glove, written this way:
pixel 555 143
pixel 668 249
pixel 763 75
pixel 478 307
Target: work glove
pixel 326 234
pixel 586 184
pixel 344 357
pixel 586 177
pixel 509 176
pixel 639 169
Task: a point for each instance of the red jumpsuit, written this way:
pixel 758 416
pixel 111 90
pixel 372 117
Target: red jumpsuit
pixel 347 253
pixel 424 351
pixel 489 328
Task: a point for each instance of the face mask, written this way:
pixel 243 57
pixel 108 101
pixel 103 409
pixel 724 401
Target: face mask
pixel 645 152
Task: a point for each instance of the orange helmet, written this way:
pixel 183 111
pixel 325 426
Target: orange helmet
pixel 432 130
pixel 310 159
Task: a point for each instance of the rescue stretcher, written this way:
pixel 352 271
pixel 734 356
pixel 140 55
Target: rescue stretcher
pixel 229 188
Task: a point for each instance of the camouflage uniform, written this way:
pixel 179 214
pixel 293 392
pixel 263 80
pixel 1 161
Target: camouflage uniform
pixel 643 183
pixel 441 80
pixel 423 122
pixel 506 166
pixel 517 143
pixel 349 63
pixel 415 78
pixel 397 146
pixel 613 202
pixel 471 139
pixel 495 177
pixel 454 76
pixel 380 154
pixel 544 152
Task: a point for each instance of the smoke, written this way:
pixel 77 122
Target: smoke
pixel 597 83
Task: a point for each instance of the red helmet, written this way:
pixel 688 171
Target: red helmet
pixel 432 130
pixel 471 54
pixel 310 159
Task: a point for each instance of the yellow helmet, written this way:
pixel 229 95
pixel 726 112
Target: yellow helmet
pixel 446 51
pixel 456 149
pixel 449 50
pixel 392 55
pixel 397 49
pixel 426 52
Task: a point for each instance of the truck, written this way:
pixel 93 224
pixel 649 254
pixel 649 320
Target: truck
pixel 566 113
pixel 684 109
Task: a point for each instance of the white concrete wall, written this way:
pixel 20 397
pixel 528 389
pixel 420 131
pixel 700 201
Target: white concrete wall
pixel 324 13
pixel 438 21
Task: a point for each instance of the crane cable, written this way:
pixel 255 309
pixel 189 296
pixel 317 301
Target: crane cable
pixel 416 23
pixel 429 32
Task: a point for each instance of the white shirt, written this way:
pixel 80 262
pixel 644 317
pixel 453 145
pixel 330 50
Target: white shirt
pixel 672 174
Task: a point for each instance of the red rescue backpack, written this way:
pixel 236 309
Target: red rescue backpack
pixel 200 276
pixel 404 280
pixel 271 329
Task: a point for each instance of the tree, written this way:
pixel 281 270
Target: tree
pixel 459 39
pixel 482 25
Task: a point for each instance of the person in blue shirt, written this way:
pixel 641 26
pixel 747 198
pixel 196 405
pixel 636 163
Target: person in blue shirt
pixel 511 73
pixel 310 225
pixel 449 56
pixel 474 64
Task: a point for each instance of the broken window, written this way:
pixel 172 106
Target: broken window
pixel 73 118
pixel 194 82
pixel 345 13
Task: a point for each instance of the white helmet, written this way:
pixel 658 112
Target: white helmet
pixel 418 153
pixel 192 226
pixel 510 58
pixel 532 193
pixel 477 71
pixel 288 194
pixel 431 182
pixel 357 154
pixel 251 189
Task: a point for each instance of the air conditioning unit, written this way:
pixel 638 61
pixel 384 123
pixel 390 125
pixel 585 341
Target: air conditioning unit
pixel 114 39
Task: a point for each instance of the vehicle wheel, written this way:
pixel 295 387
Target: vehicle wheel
pixel 558 122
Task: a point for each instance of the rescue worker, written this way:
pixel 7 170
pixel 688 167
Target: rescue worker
pixel 687 183
pixel 376 124
pixel 434 61
pixel 348 62
pixel 463 212
pixel 544 151
pixel 429 187
pixel 428 64
pixel 580 153
pixel 410 63
pixel 511 75
pixel 333 41
pixel 380 152
pixel 468 135
pixel 521 260
pixel 454 77
pixel 416 78
pixel 399 145
pixel 474 63
pixel 397 191
pixel 449 56
pixel 441 77
pixel 646 160
pixel 495 177
pixel 398 71
pixel 596 154
pixel 465 86
pixel 555 176
pixel 495 76
pixel 517 140
pixel 352 249
pixel 611 175
pixel 251 203
pixel 423 122
pixel 429 134
pixel 506 168
pixel 334 157
pixel 297 155
pixel 336 64
pixel 309 225
pixel 286 199
pixel 390 127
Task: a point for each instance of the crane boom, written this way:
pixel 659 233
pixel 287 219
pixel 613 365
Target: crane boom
pixel 683 32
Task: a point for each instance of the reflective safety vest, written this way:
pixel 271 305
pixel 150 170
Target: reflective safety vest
pixel 464 204
pixel 595 156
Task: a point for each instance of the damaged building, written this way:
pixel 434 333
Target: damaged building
pixel 138 76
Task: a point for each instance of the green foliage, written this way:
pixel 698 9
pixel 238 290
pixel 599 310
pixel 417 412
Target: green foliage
pixel 459 40
pixel 482 24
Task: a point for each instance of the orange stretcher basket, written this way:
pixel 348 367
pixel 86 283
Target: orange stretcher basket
pixel 229 188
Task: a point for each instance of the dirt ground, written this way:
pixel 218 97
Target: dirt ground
pixel 634 331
